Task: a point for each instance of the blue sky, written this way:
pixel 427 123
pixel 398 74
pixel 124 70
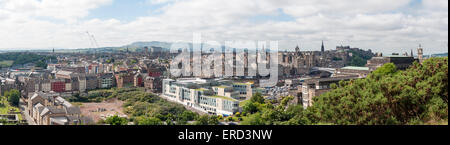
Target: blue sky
pixel 129 10
pixel 381 25
pixel 125 10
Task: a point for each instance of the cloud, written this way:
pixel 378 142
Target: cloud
pixel 436 4
pixel 159 1
pixel 380 25
pixel 69 10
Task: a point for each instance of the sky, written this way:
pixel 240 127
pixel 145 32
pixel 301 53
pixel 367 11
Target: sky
pixel 386 26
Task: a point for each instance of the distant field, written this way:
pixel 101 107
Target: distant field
pixel 6 63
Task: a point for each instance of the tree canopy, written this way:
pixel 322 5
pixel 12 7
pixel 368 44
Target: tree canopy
pixel 418 95
pixel 116 120
pixel 13 97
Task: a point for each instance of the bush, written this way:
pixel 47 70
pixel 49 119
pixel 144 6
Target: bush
pixel 13 97
pixel 116 120
pixel 150 121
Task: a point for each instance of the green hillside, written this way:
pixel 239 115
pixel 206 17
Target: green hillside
pixel 416 96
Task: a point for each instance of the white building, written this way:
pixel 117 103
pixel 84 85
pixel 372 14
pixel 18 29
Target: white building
pixel 201 95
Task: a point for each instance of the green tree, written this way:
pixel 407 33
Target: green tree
pixel 13 97
pixel 250 107
pixel 41 64
pixel 418 95
pixel 385 70
pixel 150 121
pixel 254 119
pixel 116 120
pixel 202 120
pixel 213 120
pixel 357 61
pixel 257 98
pixel 207 120
pixel 188 116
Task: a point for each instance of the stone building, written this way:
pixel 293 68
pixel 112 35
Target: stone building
pixel 124 80
pixel 51 109
pixel 153 84
pixel 401 62
pixel 316 87
pixel 301 62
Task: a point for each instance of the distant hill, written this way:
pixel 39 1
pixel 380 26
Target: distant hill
pixel 133 47
pixel 440 55
pixel 164 45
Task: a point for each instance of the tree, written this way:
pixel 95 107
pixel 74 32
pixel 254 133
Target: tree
pixel 207 120
pixel 150 121
pixel 257 98
pixel 254 104
pixel 41 64
pixel 188 115
pixel 116 120
pixel 386 69
pixel 254 119
pixel 13 97
pixel 213 120
pixel 202 120
pixel 357 61
pixel 418 95
pixel 250 107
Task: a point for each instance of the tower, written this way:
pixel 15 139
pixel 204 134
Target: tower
pixel 420 53
pixel 297 49
pixel 323 47
pixel 146 50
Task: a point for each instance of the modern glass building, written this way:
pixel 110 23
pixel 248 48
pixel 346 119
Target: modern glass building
pixel 209 96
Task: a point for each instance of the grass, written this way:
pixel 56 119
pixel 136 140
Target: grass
pixel 241 104
pixel 5 107
pixel 225 98
pixel 6 63
pixel 243 84
pixel 201 89
pixel 223 87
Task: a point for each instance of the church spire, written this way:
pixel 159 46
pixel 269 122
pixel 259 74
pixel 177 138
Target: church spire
pixel 297 49
pixel 420 53
pixel 323 47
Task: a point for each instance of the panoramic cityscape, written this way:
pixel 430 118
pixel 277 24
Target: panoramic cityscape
pixel 335 63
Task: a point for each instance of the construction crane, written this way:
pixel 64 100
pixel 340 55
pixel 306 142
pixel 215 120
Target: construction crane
pixel 92 40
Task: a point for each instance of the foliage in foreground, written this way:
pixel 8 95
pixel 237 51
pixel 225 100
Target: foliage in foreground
pixel 116 120
pixel 13 97
pixel 416 96
pixel 142 107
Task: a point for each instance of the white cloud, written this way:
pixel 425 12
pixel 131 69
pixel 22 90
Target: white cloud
pixel 436 4
pixel 373 24
pixel 69 10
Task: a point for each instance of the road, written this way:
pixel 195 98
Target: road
pixel 23 109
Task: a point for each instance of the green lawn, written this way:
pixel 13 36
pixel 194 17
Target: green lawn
pixel 5 107
pixel 241 104
pixel 6 63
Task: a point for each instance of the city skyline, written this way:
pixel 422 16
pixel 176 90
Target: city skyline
pixel 379 25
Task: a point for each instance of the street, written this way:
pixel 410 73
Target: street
pixel 23 110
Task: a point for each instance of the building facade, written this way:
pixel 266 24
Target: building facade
pixel 196 93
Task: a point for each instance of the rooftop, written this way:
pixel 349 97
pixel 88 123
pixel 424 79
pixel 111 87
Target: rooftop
pixel 223 87
pixel 248 83
pixel 225 98
pixel 356 68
